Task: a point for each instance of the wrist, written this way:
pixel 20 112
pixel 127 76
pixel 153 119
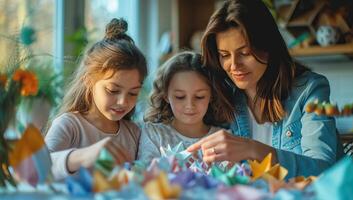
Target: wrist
pixel 74 160
pixel 259 151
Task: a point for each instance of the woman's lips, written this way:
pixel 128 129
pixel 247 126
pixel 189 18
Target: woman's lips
pixel 240 76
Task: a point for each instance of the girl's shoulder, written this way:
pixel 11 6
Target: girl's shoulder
pixel 69 123
pixel 130 126
pixel 68 118
pixel 155 128
pixel 214 129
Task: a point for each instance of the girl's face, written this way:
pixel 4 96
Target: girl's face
pixel 188 96
pixel 116 96
pixel 237 60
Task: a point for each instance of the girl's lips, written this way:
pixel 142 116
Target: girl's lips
pixel 118 111
pixel 190 114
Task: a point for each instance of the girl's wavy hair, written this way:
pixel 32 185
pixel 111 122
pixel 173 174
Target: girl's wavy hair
pixel 219 111
pixel 262 34
pixel 116 51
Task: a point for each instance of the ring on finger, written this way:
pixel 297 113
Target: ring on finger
pixel 213 150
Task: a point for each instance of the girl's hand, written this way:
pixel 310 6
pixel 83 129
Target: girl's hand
pixel 87 156
pixel 221 146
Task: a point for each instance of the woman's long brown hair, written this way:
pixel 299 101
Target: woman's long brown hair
pixel 262 34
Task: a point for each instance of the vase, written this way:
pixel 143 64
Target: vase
pixel 7 114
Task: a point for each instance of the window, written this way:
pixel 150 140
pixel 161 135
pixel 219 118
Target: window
pixel 23 20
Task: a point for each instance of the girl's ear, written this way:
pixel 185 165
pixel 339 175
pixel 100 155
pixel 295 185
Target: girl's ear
pixel 166 99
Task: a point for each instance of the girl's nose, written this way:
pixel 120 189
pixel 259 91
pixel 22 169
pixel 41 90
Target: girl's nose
pixel 122 99
pixel 190 104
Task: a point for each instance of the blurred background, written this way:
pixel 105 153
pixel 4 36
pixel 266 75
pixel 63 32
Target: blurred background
pixel 51 35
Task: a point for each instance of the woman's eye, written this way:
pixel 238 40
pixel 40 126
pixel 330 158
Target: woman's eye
pixel 245 53
pixel 200 97
pixel 224 55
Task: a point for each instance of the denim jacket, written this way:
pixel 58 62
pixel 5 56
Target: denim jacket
pixel 306 144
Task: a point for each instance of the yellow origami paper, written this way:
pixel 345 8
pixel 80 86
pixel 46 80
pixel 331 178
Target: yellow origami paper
pixel 101 183
pixel 258 169
pixel 301 182
pixel 265 170
pixel 160 188
pixel 298 183
pixel 30 142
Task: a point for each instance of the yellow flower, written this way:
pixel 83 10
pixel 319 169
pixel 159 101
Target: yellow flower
pixel 3 79
pixel 28 81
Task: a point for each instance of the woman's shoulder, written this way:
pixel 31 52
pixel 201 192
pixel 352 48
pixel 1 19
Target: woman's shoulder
pixel 309 78
pixel 308 83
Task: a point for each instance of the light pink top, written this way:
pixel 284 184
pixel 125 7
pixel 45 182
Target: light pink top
pixel 71 130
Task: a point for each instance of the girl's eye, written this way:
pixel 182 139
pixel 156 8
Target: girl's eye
pixel 200 97
pixel 179 97
pixel 113 91
pixel 133 94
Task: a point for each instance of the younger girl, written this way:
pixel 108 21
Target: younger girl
pixel 185 105
pixel 96 109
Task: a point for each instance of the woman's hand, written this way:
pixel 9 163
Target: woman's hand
pixel 87 156
pixel 221 146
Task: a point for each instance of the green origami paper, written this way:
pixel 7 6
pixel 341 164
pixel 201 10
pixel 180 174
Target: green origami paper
pixel 105 162
pixel 229 177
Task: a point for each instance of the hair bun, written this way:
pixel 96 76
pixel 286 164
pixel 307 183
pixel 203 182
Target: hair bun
pixel 115 29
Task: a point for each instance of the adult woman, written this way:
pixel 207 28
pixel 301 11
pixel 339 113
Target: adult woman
pixel 243 46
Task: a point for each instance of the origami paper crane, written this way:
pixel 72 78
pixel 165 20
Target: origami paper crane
pixel 160 188
pixel 188 179
pixel 80 184
pixel 297 183
pixel 178 151
pixel 229 177
pixel 30 157
pixel 105 162
pixel 102 183
pixel 265 170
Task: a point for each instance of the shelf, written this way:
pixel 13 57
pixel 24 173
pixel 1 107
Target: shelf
pixel 318 50
pixel 188 17
pixel 346 137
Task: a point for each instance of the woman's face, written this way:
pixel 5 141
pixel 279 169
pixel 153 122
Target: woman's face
pixel 238 61
pixel 189 97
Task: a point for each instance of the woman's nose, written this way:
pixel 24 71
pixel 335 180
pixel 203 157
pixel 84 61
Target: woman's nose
pixel 234 63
